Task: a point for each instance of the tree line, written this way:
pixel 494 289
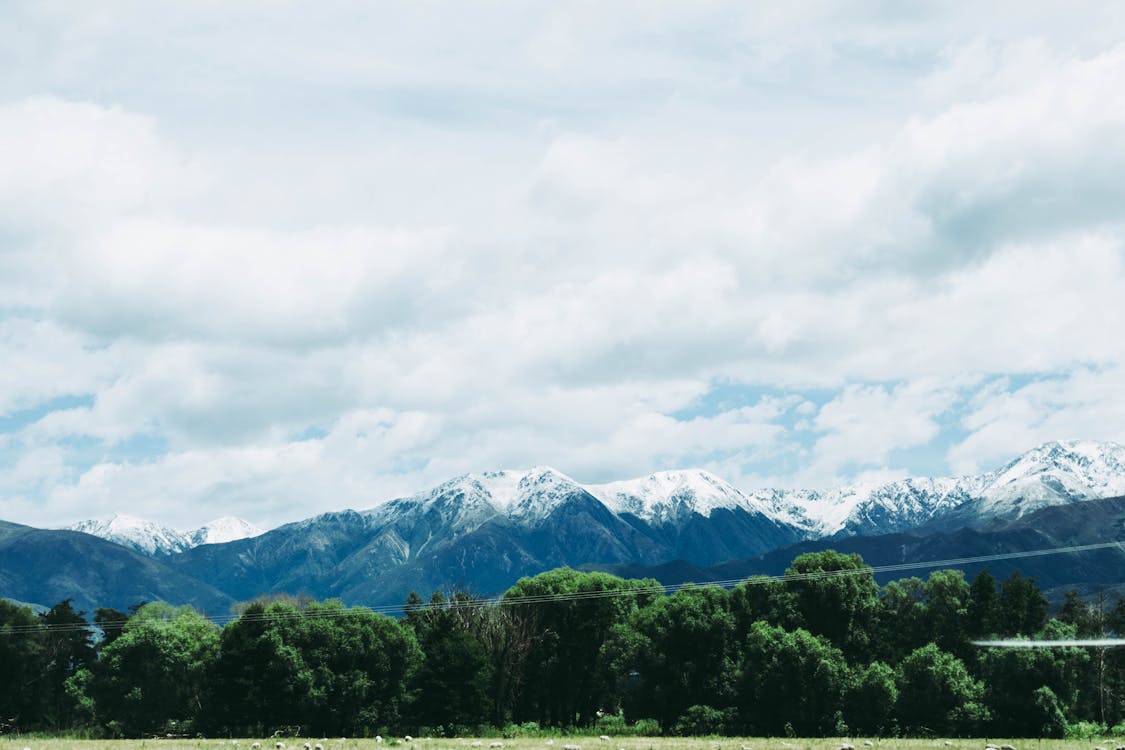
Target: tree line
pixel 823 651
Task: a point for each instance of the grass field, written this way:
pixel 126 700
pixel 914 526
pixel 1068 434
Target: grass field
pixel 586 743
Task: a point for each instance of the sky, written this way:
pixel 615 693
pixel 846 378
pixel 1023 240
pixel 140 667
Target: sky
pixel 272 259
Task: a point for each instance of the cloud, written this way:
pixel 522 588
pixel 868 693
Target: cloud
pixel 386 253
pixel 1084 404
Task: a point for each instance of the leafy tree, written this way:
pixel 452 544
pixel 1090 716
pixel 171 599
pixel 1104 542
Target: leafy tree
pixel 678 652
pixel 947 608
pixel 68 648
pixel 22 661
pixel 900 620
pixel 982 617
pixel 763 598
pixel 836 597
pixel 155 670
pixel 453 682
pixel 937 694
pixel 1013 676
pixel 1022 606
pixel 869 700
pixel 574 622
pixel 330 669
pixel 111 622
pixel 790 678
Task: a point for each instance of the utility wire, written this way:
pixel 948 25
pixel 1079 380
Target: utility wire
pixel 510 601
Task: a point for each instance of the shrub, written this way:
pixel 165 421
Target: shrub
pixel 698 721
pixel 647 728
pixel 1087 730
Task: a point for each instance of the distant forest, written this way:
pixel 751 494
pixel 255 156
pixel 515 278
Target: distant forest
pixel 824 651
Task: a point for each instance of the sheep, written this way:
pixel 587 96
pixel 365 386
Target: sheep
pixel 947 743
pixel 378 739
pixel 604 738
pixel 496 744
pixel 307 746
pixel 476 743
pixel 1007 747
pixel 845 746
pixel 256 746
pixel 550 742
pixel 279 745
pixel 868 743
pixel 572 747
pixel 408 738
pixel 745 747
pixel 318 746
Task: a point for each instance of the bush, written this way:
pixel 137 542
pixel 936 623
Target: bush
pixel 647 728
pixel 612 724
pixel 698 721
pixel 1087 730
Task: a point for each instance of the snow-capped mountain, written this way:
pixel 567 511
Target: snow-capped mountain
pixel 154 539
pixel 225 529
pixel 146 537
pixel 1055 473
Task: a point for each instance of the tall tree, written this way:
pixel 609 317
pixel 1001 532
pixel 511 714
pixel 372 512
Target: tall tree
pixel 22 663
pixel 836 597
pixel 680 652
pixel 575 613
pixel 790 678
pixel 69 647
pixel 937 694
pixel 155 671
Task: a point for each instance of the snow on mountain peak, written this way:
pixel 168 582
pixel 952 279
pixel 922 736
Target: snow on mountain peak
pixel 225 529
pixel 151 538
pixel 668 495
pixel 143 536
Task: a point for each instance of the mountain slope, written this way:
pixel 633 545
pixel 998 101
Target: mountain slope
pixel 1053 527
pixel 46 566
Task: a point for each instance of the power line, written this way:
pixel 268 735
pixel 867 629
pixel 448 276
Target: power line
pixel 656 590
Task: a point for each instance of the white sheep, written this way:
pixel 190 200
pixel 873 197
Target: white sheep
pixel 496 744
pixel 845 746
pixel 279 745
pixel 572 747
pixel 379 739
pixel 477 743
pixel 604 738
pixel 307 746
pixel 256 746
pixel 868 743
pixel 408 738
pixel 550 742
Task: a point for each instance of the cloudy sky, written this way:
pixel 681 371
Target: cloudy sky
pixel 271 259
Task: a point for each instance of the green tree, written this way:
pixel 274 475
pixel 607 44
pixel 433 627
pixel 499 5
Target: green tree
pixel 870 698
pixel 453 682
pixel 1022 606
pixel 68 648
pixel 22 663
pixel 836 597
pixel 937 694
pixel 790 678
pixel 328 668
pixel 574 617
pixel 1013 677
pixel 982 617
pixel 947 609
pixel 154 672
pixel 900 620
pixel 677 652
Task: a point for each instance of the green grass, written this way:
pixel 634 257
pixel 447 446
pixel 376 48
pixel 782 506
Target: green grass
pixel 585 742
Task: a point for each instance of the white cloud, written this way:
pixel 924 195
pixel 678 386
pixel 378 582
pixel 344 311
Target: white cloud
pixel 532 235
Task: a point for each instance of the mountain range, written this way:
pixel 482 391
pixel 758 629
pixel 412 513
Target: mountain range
pixel 484 531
